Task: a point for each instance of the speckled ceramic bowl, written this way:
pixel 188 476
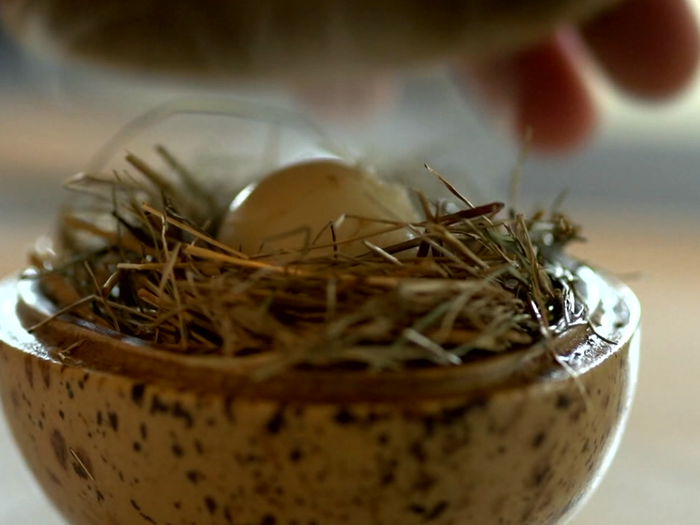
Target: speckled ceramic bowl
pixel 118 433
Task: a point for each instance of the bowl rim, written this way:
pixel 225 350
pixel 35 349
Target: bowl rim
pixel 612 306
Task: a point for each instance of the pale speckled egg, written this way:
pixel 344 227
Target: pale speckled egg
pixel 120 433
pixel 293 208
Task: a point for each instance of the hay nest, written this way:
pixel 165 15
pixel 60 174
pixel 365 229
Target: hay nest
pixel 139 256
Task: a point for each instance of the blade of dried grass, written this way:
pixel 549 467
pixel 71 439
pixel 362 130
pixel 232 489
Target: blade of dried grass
pixel 192 231
pixel 450 187
pixel 99 293
pixel 198 191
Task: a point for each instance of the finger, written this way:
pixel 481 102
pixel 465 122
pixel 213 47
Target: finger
pixel 540 90
pixel 649 48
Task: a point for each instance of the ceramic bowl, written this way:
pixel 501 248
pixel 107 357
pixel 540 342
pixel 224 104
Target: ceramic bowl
pixel 120 433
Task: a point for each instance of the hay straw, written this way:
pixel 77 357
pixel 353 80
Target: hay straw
pixel 142 257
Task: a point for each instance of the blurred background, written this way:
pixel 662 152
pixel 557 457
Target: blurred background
pixel 635 189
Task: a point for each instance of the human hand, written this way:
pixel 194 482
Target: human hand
pixel 647 48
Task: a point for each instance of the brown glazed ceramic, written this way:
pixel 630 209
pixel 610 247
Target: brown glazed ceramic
pixel 118 433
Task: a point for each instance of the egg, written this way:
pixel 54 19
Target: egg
pixel 294 207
